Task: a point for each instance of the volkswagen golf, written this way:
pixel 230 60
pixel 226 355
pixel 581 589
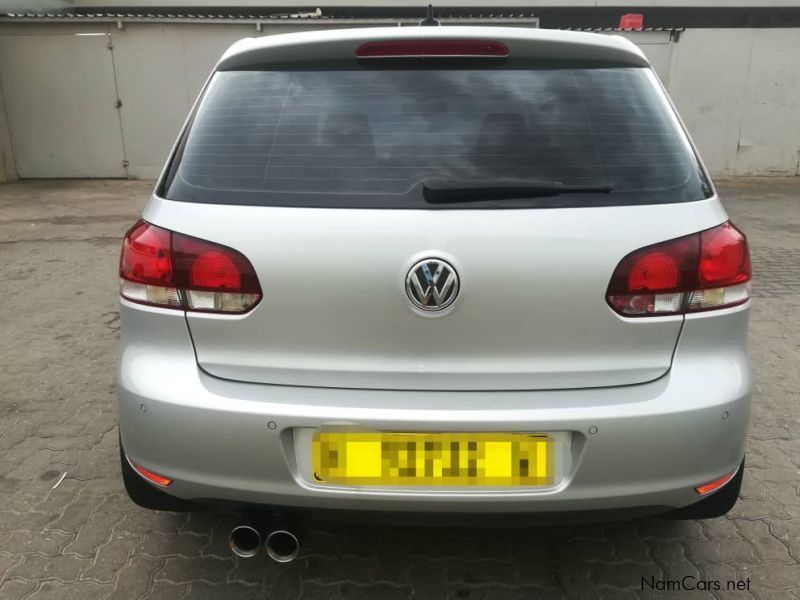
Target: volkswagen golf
pixel 435 270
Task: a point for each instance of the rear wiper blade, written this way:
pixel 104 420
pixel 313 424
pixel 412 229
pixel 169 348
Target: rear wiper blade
pixel 440 191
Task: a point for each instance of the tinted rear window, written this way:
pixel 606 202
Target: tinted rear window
pixel 371 138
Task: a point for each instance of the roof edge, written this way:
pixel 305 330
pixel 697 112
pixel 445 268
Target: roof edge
pixel 541 43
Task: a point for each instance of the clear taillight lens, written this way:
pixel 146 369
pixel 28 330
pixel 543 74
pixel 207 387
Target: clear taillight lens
pixel 703 271
pixel 171 270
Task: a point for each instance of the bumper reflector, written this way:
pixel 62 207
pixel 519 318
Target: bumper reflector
pixel 150 476
pixel 711 486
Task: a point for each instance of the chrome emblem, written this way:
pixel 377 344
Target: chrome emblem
pixel 432 285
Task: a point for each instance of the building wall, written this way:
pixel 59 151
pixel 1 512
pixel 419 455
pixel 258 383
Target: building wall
pixel 737 89
pixel 156 73
pixel 7 167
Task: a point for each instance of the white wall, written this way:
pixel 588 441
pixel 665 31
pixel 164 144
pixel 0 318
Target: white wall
pixel 61 126
pixel 737 89
pixel 161 69
pixel 7 167
pixel 158 70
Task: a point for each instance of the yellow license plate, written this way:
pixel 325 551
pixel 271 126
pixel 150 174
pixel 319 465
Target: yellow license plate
pixel 433 459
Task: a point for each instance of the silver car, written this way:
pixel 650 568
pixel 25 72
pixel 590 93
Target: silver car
pixel 435 270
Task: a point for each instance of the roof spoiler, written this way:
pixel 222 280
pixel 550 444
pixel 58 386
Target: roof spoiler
pixel 310 46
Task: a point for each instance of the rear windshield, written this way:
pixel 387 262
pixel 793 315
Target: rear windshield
pixel 373 138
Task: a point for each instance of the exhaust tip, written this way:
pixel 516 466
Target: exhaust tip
pixel 245 541
pixel 282 546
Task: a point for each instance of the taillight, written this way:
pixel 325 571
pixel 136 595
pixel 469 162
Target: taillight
pixel 703 271
pixel 421 48
pixel 163 268
pixel 150 476
pixel 711 486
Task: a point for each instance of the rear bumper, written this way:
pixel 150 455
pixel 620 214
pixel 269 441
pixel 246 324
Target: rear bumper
pixel 653 442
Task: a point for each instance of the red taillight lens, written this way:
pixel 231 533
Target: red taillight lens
pixel 417 48
pixel 150 476
pixel 654 271
pixel 724 258
pixel 163 268
pixel 213 269
pixel 702 271
pixel 666 267
pixel 146 254
pixel 711 486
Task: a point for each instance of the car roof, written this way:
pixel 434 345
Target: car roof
pixel 522 42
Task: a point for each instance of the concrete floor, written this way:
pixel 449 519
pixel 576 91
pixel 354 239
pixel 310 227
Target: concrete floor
pixel 59 244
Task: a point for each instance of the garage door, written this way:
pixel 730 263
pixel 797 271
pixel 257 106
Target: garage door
pixel 61 101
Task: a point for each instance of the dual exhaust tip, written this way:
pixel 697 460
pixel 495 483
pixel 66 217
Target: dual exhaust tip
pixel 281 545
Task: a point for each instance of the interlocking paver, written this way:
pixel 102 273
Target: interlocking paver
pixel 780 577
pixel 94 533
pixel 78 590
pixel 479 572
pixel 143 521
pixel 768 548
pixel 58 330
pixel 55 501
pixel 324 543
pixel 220 530
pixel 7 561
pixel 16 589
pixel 111 558
pixel 283 582
pixel 135 579
pixel 164 590
pixel 19 502
pixel 352 591
pixel 49 543
pixel 185 570
pixel 248 572
pixel 156 544
pixel 337 569
pixel 74 516
pixel 201 590
pixel 33 567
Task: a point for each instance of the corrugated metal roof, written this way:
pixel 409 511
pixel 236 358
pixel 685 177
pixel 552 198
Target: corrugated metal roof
pixel 595 18
pixel 604 29
pixel 318 16
pixel 250 15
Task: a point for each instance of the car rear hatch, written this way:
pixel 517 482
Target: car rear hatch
pixel 322 178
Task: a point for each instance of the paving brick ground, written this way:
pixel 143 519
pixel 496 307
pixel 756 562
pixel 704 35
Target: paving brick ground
pixel 85 540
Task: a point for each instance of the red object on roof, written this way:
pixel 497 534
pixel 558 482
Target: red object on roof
pixel 631 21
